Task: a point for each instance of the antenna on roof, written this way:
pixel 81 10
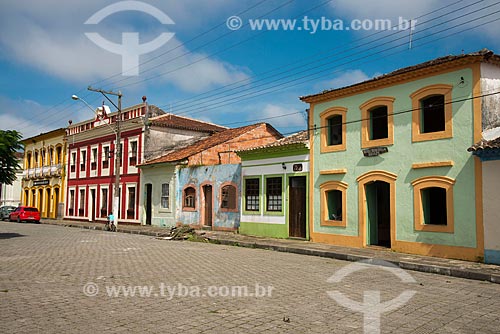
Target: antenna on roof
pixel 411 33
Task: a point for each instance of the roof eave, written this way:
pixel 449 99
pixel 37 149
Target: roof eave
pixel 398 76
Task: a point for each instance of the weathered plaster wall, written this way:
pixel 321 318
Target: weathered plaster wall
pixel 490 82
pixel 161 140
pixel 399 161
pixel 214 175
pixel 491 201
pixel 157 175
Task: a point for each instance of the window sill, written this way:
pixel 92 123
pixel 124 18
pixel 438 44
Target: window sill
pixel 432 136
pixel 332 148
pixel 434 228
pixel 273 213
pixel 252 213
pixel 335 223
pixel 377 142
pixel 228 210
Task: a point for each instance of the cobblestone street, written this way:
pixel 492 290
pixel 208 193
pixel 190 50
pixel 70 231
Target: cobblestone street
pixel 57 279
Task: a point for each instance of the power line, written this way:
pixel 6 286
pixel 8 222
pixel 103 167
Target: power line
pixel 289 65
pixel 215 53
pixel 186 42
pixel 319 74
pixel 254 95
pixel 118 74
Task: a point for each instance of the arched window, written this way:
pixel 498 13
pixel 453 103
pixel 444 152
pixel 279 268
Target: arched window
pixel 377 127
pixel 333 129
pixel 228 198
pixel 189 201
pixel 433 204
pixel 432 113
pixel 28 160
pixel 333 203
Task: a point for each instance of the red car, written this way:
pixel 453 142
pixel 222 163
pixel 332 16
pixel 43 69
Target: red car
pixel 25 213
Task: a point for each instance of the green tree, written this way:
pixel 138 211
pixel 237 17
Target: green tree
pixel 10 143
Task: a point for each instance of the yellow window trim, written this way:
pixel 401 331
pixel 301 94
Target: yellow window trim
pixel 324 129
pixel 439 89
pixel 433 181
pixel 324 188
pixel 430 164
pixel 333 171
pixel 381 101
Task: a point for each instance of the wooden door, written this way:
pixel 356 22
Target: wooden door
pixel 149 192
pixel 208 211
pixel 297 216
pixel 93 203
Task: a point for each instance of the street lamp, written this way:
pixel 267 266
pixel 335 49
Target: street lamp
pixel 77 98
pixel 116 202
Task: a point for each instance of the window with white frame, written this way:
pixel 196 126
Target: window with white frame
pixel 81 207
pixel 73 162
pixel 133 153
pixel 104 202
pixel 93 163
pixel 165 196
pixel 131 203
pixel 83 160
pixel 105 157
pixel 71 210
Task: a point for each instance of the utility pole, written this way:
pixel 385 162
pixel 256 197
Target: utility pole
pixel 118 153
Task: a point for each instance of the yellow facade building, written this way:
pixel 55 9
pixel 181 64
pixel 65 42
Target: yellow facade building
pixel 44 173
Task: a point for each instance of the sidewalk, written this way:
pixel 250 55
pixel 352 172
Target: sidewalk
pixel 455 268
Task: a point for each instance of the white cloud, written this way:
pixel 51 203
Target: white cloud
pixel 344 79
pixel 195 72
pixel 294 118
pixel 384 9
pixel 49 36
pixel 31 118
pixel 394 9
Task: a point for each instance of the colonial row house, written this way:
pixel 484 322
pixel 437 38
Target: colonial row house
pixel 11 194
pixel 199 184
pixel 275 179
pixel 146 131
pixel 488 150
pixel 44 175
pixel 389 161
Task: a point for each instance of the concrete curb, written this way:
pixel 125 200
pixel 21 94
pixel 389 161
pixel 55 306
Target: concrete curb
pixel 426 268
pixel 413 266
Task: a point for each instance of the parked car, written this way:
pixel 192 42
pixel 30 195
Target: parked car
pixel 5 211
pixel 25 213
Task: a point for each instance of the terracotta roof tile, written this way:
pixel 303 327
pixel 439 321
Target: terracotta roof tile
pixel 180 122
pixel 206 143
pixel 485 144
pixel 301 137
pixel 483 55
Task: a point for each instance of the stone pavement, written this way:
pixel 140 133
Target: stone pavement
pixel 71 280
pixel 448 267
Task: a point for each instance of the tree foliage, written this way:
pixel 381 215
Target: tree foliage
pixel 10 143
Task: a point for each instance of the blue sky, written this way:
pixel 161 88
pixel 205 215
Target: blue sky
pixel 210 72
